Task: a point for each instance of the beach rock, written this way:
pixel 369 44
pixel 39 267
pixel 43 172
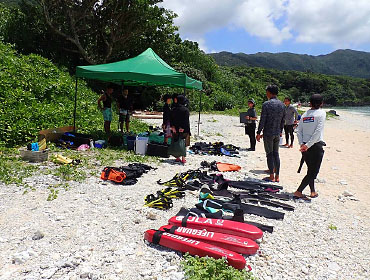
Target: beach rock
pixel 38 235
pixel 23 256
pixel 333 266
pixel 343 182
pixel 151 216
pixel 347 193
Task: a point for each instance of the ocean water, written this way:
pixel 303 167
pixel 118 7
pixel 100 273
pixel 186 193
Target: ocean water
pixel 363 110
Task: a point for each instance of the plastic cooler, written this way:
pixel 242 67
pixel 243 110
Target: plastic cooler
pixel 141 145
pixel 130 142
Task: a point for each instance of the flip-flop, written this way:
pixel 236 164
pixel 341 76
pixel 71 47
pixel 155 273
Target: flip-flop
pixel 304 198
pixel 267 179
pixel 314 196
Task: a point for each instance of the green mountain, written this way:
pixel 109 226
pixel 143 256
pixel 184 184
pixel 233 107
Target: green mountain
pixel 340 62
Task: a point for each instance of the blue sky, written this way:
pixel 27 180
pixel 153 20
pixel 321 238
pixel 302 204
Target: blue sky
pixel 300 26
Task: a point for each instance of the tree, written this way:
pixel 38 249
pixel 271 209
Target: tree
pixel 102 30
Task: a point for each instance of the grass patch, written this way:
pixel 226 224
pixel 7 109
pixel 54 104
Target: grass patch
pixel 207 268
pixel 13 170
pixel 333 227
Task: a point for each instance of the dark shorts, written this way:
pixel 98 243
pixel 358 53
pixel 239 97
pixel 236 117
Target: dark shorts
pixel 124 115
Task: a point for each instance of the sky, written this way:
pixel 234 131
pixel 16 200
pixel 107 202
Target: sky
pixel 299 26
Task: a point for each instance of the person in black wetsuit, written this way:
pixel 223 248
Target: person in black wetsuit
pixel 166 125
pixel 272 124
pixel 291 116
pixel 180 123
pixel 250 126
pixel 105 105
pixel 124 104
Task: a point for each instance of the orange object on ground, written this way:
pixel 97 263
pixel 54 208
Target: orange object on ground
pixel 224 167
pixel 113 174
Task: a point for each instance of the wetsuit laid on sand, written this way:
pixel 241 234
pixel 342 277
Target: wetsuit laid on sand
pixel 310 133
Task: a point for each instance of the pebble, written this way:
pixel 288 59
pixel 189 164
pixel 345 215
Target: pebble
pixel 343 182
pixel 151 216
pixel 347 193
pixel 38 235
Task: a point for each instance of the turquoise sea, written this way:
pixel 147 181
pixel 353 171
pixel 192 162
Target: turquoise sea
pixel 363 110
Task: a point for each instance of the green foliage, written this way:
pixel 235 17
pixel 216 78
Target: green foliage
pixel 12 169
pixel 340 62
pixel 207 268
pixel 332 227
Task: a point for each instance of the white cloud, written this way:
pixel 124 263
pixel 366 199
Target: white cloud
pixel 340 23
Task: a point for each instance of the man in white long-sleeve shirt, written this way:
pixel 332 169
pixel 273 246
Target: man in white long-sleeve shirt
pixel 310 138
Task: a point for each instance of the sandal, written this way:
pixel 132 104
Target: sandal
pixel 314 196
pixel 267 179
pixel 305 198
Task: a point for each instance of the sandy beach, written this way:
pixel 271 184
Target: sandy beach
pixel 95 229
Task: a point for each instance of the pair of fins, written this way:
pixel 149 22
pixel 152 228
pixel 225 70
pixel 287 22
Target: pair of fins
pixel 216 238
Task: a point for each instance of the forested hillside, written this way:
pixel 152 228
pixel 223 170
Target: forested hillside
pixel 341 62
pixel 40 53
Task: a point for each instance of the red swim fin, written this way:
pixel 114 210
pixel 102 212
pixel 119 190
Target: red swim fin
pixel 193 247
pixel 230 242
pixel 218 225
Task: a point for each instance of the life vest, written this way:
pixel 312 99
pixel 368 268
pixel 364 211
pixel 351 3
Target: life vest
pixel 113 174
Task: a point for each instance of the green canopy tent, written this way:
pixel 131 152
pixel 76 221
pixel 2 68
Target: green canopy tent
pixel 146 69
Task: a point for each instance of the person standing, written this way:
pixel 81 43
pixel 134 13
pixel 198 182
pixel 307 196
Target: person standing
pixel 124 106
pixel 166 124
pixel 180 124
pixel 291 116
pixel 272 124
pixel 310 138
pixel 105 105
pixel 250 126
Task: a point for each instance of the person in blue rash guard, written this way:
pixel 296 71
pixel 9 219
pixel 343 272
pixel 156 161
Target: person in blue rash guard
pixel 310 138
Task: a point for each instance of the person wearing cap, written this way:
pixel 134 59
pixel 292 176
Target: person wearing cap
pixel 250 126
pixel 272 124
pixel 291 116
pixel 311 141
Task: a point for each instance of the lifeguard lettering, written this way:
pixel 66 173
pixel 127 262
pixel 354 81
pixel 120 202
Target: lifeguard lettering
pixel 192 231
pixel 308 119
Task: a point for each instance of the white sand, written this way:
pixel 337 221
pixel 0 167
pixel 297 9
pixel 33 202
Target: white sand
pixel 95 230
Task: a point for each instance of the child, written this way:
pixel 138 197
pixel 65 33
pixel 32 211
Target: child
pixel 250 126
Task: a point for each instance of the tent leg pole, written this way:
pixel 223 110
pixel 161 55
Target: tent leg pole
pixel 200 109
pixel 75 108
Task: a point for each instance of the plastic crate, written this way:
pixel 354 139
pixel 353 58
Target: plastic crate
pixel 34 156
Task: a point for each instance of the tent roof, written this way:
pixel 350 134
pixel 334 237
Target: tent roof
pixel 145 69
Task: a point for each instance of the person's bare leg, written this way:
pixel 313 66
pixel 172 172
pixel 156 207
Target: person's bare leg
pixel 121 126
pixel 127 126
pixel 277 179
pixel 183 160
pixel 107 127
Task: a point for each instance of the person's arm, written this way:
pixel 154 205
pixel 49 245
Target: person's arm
pixel 318 130
pixel 282 122
pixel 254 116
pixel 295 115
pixel 101 98
pixel 262 119
pixel 300 132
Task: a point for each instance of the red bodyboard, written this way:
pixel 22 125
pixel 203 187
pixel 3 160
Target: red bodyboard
pixel 218 225
pixel 195 247
pixel 230 242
